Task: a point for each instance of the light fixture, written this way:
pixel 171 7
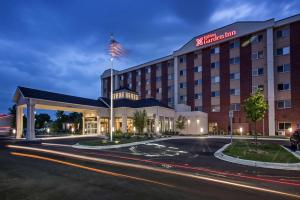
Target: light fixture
pixel 113 128
pixel 48 130
pixel 290 129
pixel 198 121
pixel 241 129
pixel 201 130
pixel 102 129
pixel 14 131
pixel 72 129
pixel 157 129
pixel 134 129
pixel 189 121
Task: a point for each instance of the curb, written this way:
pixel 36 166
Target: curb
pixel 283 166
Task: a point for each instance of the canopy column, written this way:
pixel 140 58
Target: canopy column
pixel 30 134
pixel 19 122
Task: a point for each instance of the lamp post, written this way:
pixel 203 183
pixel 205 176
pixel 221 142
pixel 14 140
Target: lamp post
pixel 111 98
pixel 230 117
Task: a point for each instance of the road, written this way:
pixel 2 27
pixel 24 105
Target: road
pixel 192 174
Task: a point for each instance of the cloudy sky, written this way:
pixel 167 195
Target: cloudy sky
pixel 61 46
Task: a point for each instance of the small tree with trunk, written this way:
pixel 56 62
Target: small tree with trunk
pixel 255 107
pixel 181 122
pixel 140 120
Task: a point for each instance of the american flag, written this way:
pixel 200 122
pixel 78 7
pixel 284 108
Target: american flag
pixel 115 48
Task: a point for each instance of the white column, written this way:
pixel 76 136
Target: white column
pixel 175 82
pixel 30 135
pixel 19 122
pixel 156 122
pixel 83 124
pixel 98 125
pixel 270 74
pixel 124 123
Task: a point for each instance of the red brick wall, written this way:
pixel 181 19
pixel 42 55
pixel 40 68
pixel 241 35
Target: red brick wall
pixel 143 83
pixel 206 89
pixel 164 82
pixel 133 80
pixel 153 81
pixel 125 81
pixel 190 80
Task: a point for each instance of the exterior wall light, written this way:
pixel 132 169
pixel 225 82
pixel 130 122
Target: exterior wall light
pixel 102 129
pixel 241 130
pixel 201 130
pixel 189 121
pixel 198 121
pixel 290 129
pixel 72 129
pixel 134 129
pixel 157 129
pixel 48 130
pixel 14 131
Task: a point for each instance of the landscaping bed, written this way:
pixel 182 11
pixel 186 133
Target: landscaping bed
pixel 264 152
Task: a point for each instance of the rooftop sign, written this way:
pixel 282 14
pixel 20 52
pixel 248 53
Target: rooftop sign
pixel 213 37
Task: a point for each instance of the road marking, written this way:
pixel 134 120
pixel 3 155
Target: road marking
pixel 143 167
pixel 55 144
pixel 90 169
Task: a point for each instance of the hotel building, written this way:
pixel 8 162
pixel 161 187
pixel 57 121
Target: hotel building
pixel 216 71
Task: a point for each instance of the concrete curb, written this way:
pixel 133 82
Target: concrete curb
pixel 283 166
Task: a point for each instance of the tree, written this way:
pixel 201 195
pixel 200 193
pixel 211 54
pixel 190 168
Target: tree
pixel 41 120
pixel 60 119
pixel 140 120
pixel 255 108
pixel 181 122
pixel 76 118
pixel 12 111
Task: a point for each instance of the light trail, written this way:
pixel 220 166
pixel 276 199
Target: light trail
pixel 201 169
pixel 142 167
pixel 91 169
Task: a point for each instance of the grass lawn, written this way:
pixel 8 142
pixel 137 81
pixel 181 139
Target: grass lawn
pixel 124 140
pixel 265 152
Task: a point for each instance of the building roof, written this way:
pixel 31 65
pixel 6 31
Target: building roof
pixel 52 96
pixel 118 103
pixel 125 89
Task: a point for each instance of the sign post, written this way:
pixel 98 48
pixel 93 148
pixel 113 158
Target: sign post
pixel 230 118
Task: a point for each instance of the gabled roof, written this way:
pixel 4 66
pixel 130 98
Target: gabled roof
pixel 118 103
pixel 125 89
pixel 52 96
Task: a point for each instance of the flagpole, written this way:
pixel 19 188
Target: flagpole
pixel 111 98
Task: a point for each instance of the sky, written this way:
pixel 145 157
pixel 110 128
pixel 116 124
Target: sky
pixel 62 45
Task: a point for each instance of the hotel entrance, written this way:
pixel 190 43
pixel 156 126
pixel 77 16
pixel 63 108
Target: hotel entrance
pixel 90 125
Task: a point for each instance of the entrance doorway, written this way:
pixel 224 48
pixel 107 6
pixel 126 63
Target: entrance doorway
pixel 91 125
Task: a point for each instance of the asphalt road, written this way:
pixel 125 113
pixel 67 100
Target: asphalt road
pixel 23 176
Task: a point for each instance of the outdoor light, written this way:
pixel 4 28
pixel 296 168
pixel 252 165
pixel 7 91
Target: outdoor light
pixel 134 129
pixel 290 129
pixel 198 121
pixel 241 130
pixel 48 130
pixel 113 128
pixel 201 130
pixel 189 121
pixel 14 131
pixel 102 129
pixel 72 129
pixel 157 129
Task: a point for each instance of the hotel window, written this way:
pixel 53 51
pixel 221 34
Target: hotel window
pixel 257 55
pixel 198 108
pixel 215 79
pixel 215 93
pixel 215 50
pixel 129 75
pixel 215 65
pixel 158 78
pixel 183 99
pixel 182 85
pixel 284 126
pixel 121 78
pixel 148 92
pixel 198 69
pixel 182 59
pixel 234 44
pixel 283 33
pixel 148 70
pixel 158 90
pixel 139 83
pixel 235 106
pixel 257 87
pixel 170 76
pixel 281 104
pixel 170 100
pixel 215 108
pixel 170 64
pixel 158 67
pixel 283 68
pixel 147 82
pixel 170 88
pixel 235 76
pixel 235 92
pixel 198 95
pixel 129 85
pixel 283 51
pixel 256 39
pixel 182 72
pixel 258 71
pixel 139 72
pixel 198 82
pixel 283 86
pixel 235 60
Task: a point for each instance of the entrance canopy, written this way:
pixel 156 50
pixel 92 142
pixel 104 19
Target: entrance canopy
pixel 38 99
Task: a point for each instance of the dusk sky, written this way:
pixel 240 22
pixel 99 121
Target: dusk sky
pixel 61 46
